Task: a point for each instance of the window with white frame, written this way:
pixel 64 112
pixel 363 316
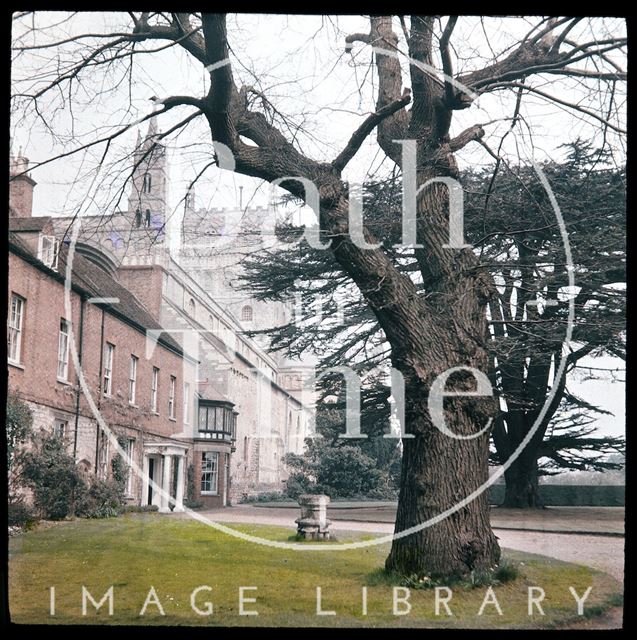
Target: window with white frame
pixel 186 403
pixel 14 334
pixel 171 397
pixel 154 390
pixel 60 428
pixel 63 351
pixel 109 353
pixel 48 251
pixel 209 472
pixel 132 380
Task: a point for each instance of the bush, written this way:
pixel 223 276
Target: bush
pixel 52 475
pixel 297 484
pixel 136 508
pixel 339 471
pixel 348 471
pixel 20 514
pixel 102 499
pixel 193 504
pixel 19 425
pixel 271 496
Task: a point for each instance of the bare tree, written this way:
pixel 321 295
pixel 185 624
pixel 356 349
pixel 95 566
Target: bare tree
pixel 433 325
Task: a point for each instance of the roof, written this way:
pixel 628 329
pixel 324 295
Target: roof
pixel 207 391
pixel 37 223
pixel 94 282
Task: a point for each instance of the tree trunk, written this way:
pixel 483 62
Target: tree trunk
pixel 521 484
pixel 437 473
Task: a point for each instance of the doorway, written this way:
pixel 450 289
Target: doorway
pixel 151 477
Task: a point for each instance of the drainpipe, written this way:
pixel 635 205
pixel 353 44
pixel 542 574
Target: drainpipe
pixel 79 357
pixel 99 386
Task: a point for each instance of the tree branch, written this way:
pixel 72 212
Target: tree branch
pixel 356 37
pixel 359 136
pixel 570 105
pixel 476 132
pixel 446 58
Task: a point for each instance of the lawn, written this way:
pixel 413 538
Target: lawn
pixel 135 552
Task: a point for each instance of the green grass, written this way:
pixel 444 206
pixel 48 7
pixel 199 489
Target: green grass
pixel 137 551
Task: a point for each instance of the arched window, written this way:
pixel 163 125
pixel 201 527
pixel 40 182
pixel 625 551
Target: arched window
pixel 191 307
pixel 211 322
pixel 148 183
pixel 147 218
pixel 138 218
pixel 246 313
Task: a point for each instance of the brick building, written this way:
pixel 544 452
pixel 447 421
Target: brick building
pixel 230 410
pixel 128 395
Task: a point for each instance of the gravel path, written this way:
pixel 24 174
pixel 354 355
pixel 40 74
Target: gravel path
pixel 600 552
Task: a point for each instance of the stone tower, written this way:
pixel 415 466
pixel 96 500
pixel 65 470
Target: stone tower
pixel 137 235
pixel 149 188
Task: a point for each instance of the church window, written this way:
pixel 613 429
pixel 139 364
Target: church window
pixel 147 183
pixel 246 313
pixel 147 219
pixel 138 218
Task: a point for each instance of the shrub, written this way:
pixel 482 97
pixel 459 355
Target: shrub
pixel 102 499
pixel 137 508
pixel 19 424
pixel 297 484
pixel 193 504
pixel 52 475
pixel 339 471
pixel 20 514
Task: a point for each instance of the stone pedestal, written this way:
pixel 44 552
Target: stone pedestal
pixel 313 523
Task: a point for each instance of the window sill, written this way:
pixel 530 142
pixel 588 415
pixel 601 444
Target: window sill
pixel 64 382
pixel 155 413
pixel 209 493
pixel 133 405
pixel 17 365
pixel 173 419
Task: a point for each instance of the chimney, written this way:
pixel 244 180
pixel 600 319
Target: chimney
pixel 20 188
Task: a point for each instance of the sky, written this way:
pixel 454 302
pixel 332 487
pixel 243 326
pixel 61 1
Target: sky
pixel 300 64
